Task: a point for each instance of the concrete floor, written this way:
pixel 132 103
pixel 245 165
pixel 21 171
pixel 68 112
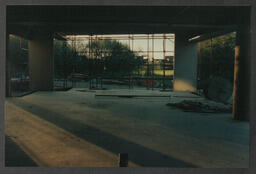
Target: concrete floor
pixel 15 156
pixel 75 128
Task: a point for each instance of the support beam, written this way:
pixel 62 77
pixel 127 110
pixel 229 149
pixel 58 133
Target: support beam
pixel 41 63
pixel 242 76
pixel 185 68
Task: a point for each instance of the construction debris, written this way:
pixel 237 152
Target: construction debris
pixel 197 106
pixel 219 89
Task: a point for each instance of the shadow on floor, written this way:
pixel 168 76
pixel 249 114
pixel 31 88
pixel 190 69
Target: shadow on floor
pixel 15 157
pixel 137 153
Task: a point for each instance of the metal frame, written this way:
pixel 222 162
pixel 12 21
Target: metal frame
pixel 150 75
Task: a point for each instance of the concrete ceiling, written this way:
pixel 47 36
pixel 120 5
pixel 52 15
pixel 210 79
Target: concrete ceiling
pixel 28 21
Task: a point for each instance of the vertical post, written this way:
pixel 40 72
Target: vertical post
pixel 147 80
pixel 153 63
pixel 129 81
pixel 90 63
pixel 95 58
pixel 241 100
pixel 20 54
pixel 8 69
pixel 164 61
pixel 135 65
pixel 65 65
pixel 74 54
pixel 102 64
pixel 123 159
pixel 65 68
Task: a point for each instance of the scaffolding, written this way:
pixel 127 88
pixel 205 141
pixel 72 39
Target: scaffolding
pixel 151 57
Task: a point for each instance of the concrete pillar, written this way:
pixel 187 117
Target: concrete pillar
pixel 41 63
pixel 185 65
pixel 242 76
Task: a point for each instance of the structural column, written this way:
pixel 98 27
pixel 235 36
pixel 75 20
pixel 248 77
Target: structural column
pixel 242 75
pixel 41 63
pixel 185 65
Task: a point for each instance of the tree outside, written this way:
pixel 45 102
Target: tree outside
pixel 217 58
pixel 107 57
